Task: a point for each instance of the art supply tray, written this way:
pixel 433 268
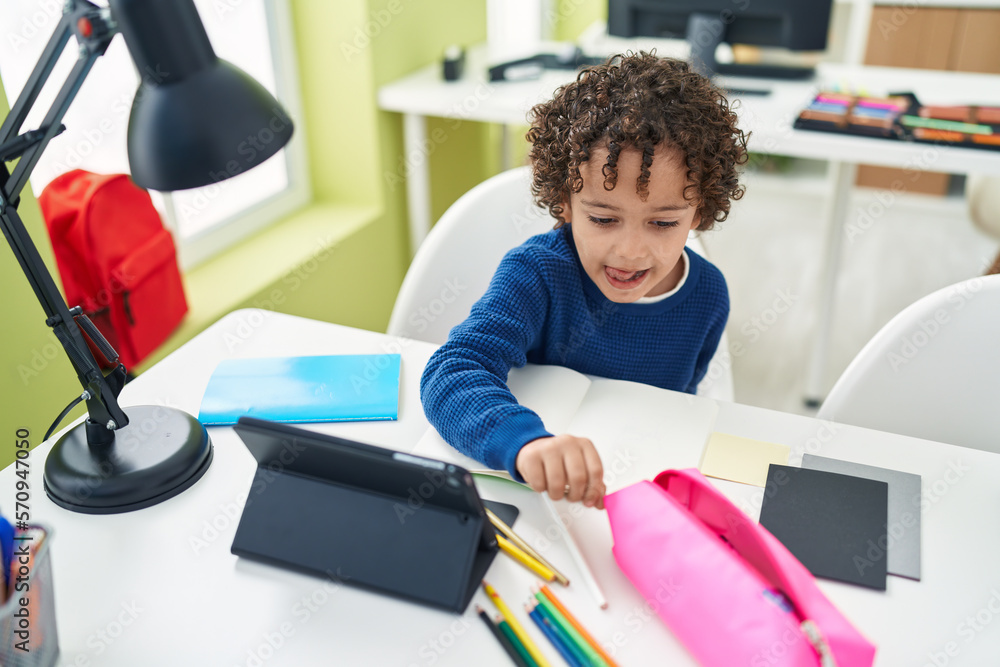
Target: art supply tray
pixel 900 116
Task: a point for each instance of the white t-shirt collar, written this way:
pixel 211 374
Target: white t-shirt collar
pixel 680 284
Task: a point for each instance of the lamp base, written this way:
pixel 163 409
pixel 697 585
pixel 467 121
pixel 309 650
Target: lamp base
pixel 160 453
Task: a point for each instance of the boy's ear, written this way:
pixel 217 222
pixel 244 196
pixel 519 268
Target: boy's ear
pixel 696 220
pixel 567 211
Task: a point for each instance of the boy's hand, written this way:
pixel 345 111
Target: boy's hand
pixel 563 465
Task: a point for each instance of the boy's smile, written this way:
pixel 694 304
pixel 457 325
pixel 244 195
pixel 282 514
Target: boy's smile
pixel 631 248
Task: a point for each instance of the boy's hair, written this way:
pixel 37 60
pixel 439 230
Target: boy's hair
pixel 638 101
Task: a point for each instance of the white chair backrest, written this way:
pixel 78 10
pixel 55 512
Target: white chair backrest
pixel 932 372
pixel 454 264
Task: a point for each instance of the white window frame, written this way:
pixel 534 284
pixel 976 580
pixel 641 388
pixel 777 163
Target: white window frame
pixel 222 234
pixel 200 247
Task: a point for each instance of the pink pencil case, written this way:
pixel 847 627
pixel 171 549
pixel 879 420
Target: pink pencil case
pixel 726 587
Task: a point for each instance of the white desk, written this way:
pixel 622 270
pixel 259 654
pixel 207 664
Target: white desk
pixel 768 118
pixel 160 587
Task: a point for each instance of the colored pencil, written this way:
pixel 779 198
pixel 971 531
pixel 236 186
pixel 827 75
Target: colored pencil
pixel 836 98
pixel 574 648
pixel 550 633
pixel 551 597
pixel 938 135
pixel 954 126
pixel 515 642
pixel 965 114
pixel 507 646
pixel 958 114
pixel 827 107
pixel 524 559
pixel 992 139
pixel 577 643
pixel 893 105
pixel 519 541
pixel 516 626
pixel 574 552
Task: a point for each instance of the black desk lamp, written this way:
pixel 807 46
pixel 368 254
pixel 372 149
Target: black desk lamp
pixel 191 121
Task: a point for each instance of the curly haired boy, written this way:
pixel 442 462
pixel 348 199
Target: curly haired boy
pixel 628 159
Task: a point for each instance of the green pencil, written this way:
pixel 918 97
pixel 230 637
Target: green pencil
pixel 579 654
pixel 512 638
pixel 939 124
pixel 501 637
pixel 548 610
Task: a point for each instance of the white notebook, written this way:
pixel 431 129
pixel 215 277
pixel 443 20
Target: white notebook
pixel 614 414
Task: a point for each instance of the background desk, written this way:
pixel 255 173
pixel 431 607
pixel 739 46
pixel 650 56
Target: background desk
pixel 768 119
pixel 160 587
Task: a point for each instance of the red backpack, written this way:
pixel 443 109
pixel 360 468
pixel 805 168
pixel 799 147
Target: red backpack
pixel 116 259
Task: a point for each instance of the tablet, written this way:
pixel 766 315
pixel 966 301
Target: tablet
pixel 365 515
pixel 341 461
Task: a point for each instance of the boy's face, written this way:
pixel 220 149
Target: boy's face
pixel 629 247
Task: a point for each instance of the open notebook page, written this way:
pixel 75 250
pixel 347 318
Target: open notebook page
pixel 553 392
pixel 627 421
pixel 632 424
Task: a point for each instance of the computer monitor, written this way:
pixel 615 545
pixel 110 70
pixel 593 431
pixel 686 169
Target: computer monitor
pixel 799 25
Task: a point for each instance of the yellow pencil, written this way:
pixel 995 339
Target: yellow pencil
pixel 518 541
pixel 524 559
pixel 516 626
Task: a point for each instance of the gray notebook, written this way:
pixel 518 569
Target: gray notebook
pixel 832 523
pixel 903 529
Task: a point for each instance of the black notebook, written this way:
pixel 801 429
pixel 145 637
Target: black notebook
pixel 834 524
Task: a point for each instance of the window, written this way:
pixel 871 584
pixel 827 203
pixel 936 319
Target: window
pixel 254 35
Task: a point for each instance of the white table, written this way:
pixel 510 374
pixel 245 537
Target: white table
pixel 768 118
pixel 160 587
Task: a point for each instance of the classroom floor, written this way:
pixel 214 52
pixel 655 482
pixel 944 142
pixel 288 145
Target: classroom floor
pixel 771 252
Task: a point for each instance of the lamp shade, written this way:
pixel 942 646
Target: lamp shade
pixel 213 125
pixel 196 119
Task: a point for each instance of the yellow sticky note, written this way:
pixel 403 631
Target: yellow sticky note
pixel 741 459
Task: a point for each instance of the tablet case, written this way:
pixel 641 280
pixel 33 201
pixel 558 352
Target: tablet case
pixel 366 516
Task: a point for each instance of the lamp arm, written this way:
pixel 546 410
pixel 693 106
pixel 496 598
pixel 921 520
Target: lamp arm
pixel 36 81
pixel 93 29
pixel 100 31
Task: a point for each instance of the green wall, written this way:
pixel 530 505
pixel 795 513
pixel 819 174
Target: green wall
pixel 356 150
pixel 36 378
pixel 417 36
pixel 572 17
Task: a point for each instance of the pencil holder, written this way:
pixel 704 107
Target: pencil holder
pixel 35 621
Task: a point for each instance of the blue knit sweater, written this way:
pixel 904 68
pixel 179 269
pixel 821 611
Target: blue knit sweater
pixel 541 307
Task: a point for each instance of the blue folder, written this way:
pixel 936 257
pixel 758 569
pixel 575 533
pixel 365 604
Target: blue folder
pixel 350 387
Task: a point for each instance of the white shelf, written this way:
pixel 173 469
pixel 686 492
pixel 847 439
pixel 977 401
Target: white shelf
pixel 809 180
pixel 958 4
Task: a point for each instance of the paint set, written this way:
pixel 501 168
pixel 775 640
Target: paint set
pixel 901 116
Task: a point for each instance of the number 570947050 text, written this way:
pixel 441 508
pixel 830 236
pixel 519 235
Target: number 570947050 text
pixel 22 497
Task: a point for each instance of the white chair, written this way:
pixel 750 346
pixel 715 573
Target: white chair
pixel 982 193
pixel 983 196
pixel 454 265
pixel 932 372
